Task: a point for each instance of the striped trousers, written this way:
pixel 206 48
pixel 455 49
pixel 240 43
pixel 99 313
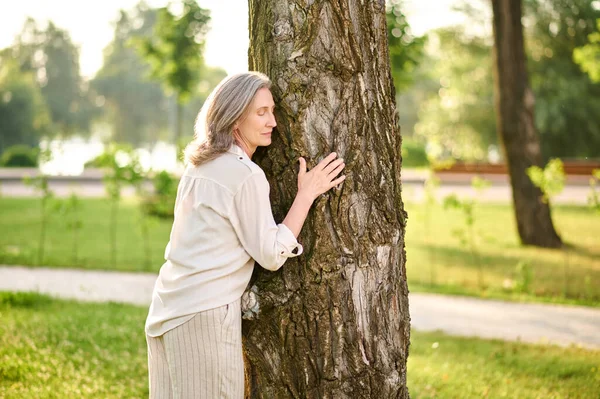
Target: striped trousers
pixel 201 358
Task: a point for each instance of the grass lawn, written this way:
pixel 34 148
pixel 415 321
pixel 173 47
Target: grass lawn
pixel 63 349
pixel 20 231
pixel 437 259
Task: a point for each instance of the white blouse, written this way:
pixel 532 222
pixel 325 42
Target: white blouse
pixel 223 223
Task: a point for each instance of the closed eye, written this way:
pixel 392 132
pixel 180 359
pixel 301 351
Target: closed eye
pixel 263 110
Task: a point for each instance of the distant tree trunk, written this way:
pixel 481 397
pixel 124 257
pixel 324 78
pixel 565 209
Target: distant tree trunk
pixel 333 323
pixel 516 125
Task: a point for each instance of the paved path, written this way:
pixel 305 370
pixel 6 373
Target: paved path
pixel 89 184
pixel 538 323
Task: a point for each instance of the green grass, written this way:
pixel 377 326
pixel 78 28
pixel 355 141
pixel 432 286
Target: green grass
pixel 62 349
pixel 437 261
pixel 440 366
pixel 20 227
pixel 53 348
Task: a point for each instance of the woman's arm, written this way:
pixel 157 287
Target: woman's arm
pixel 311 184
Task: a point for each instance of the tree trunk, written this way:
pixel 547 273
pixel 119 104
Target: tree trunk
pixel 334 322
pixel 516 126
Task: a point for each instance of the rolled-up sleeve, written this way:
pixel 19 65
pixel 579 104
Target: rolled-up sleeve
pixel 268 243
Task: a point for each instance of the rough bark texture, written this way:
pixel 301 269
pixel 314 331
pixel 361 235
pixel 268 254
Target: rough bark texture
pixel 516 126
pixel 333 323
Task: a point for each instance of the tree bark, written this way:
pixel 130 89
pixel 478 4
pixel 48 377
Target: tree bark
pixel 516 125
pixel 334 322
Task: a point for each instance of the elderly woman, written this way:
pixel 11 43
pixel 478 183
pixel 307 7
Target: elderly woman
pixel 223 224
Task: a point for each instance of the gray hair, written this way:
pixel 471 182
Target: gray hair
pixel 226 105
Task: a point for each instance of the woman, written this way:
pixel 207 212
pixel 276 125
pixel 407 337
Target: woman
pixel 223 223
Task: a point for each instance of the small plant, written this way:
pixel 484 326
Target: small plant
pixel 468 234
pixel 480 184
pixel 431 185
pixel 162 202
pixel 524 277
pixel 70 208
pixel 40 184
pixel 594 196
pixel 122 168
pixel 550 180
pixel 144 222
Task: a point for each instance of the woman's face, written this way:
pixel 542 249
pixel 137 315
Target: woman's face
pixel 255 129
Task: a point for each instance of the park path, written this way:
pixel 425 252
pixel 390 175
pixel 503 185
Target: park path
pixel 537 323
pixel 90 184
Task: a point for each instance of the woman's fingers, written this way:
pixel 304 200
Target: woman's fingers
pixel 332 166
pixel 302 170
pixel 325 161
pixel 335 171
pixel 337 181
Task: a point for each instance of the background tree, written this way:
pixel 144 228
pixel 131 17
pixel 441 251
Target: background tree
pixel 588 56
pixel 516 125
pixel 456 116
pixel 175 52
pixel 135 106
pixel 567 100
pixel 406 50
pixel 52 57
pixel 333 323
pixel 458 119
pixel 413 85
pixel 24 116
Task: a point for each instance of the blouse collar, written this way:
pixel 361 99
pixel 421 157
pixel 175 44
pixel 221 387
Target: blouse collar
pixel 237 150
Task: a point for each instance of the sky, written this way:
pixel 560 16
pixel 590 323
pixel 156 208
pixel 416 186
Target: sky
pixel 90 24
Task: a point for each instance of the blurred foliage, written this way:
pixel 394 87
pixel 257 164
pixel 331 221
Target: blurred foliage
pixel 174 51
pixel 70 211
pixel 161 203
pixel 40 184
pixel 42 92
pixel 551 179
pixel 24 116
pixel 134 106
pixel 588 56
pixel 122 168
pixel 455 84
pixel 594 195
pixel 408 66
pixel 523 277
pixel 467 234
pixel 567 101
pixel 50 55
pixel 458 122
pixel 20 156
pixel 413 153
pixel 406 50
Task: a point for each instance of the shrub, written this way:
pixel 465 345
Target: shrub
pixel 162 202
pixel 94 162
pixel 20 156
pixel 413 154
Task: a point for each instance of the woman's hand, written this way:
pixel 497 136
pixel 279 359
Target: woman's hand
pixel 321 178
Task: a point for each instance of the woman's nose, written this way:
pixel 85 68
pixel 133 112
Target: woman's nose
pixel 272 122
